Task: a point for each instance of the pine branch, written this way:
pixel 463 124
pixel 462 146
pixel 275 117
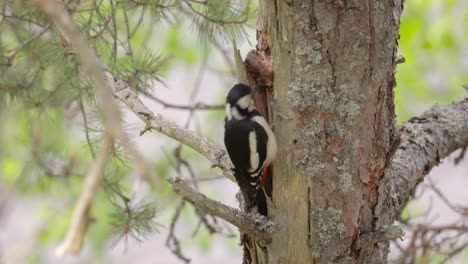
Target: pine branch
pixel 197 106
pixel 113 129
pixel 13 54
pixel 258 226
pixel 89 61
pixel 219 19
pixel 425 140
pixel 242 20
pixel 95 68
pixel 172 242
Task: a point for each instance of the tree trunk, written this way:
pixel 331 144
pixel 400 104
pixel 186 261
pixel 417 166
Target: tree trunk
pixel 333 113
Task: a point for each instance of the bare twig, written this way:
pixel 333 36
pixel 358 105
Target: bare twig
pixel 256 225
pixel 181 165
pixel 74 239
pixel 381 235
pixel 85 124
pixel 455 252
pixel 220 21
pixel 172 242
pixel 441 228
pixel 196 106
pixel 426 240
pixel 457 209
pixel 214 153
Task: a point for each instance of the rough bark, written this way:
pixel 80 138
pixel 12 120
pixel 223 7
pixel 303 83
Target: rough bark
pixel 333 64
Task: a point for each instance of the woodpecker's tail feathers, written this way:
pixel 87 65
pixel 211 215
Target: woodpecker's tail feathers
pixel 248 193
pixel 261 202
pixel 253 196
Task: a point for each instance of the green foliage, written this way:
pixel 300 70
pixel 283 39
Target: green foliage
pixel 141 71
pixel 136 221
pixel 433 37
pixel 38 67
pixel 50 99
pixel 177 46
pixel 57 225
pixel 221 18
pixel 412 209
pixel 204 240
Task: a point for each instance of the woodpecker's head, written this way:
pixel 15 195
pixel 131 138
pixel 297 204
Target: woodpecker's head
pixel 239 102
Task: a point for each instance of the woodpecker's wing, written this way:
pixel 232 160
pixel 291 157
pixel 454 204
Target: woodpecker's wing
pixel 236 140
pixel 245 142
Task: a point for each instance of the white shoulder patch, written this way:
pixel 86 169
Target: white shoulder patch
pixel 228 111
pixel 254 157
pixel 272 146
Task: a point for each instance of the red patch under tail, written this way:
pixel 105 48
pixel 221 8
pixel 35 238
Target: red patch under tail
pixel 264 176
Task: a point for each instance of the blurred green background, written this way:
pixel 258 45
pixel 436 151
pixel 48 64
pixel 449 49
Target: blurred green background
pixel 433 40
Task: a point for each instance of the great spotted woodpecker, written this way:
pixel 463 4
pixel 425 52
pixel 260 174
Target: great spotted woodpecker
pixel 251 145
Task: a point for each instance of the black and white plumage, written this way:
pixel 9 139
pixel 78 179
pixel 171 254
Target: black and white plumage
pixel 250 143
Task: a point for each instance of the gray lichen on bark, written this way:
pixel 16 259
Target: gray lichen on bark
pixel 339 86
pixel 329 225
